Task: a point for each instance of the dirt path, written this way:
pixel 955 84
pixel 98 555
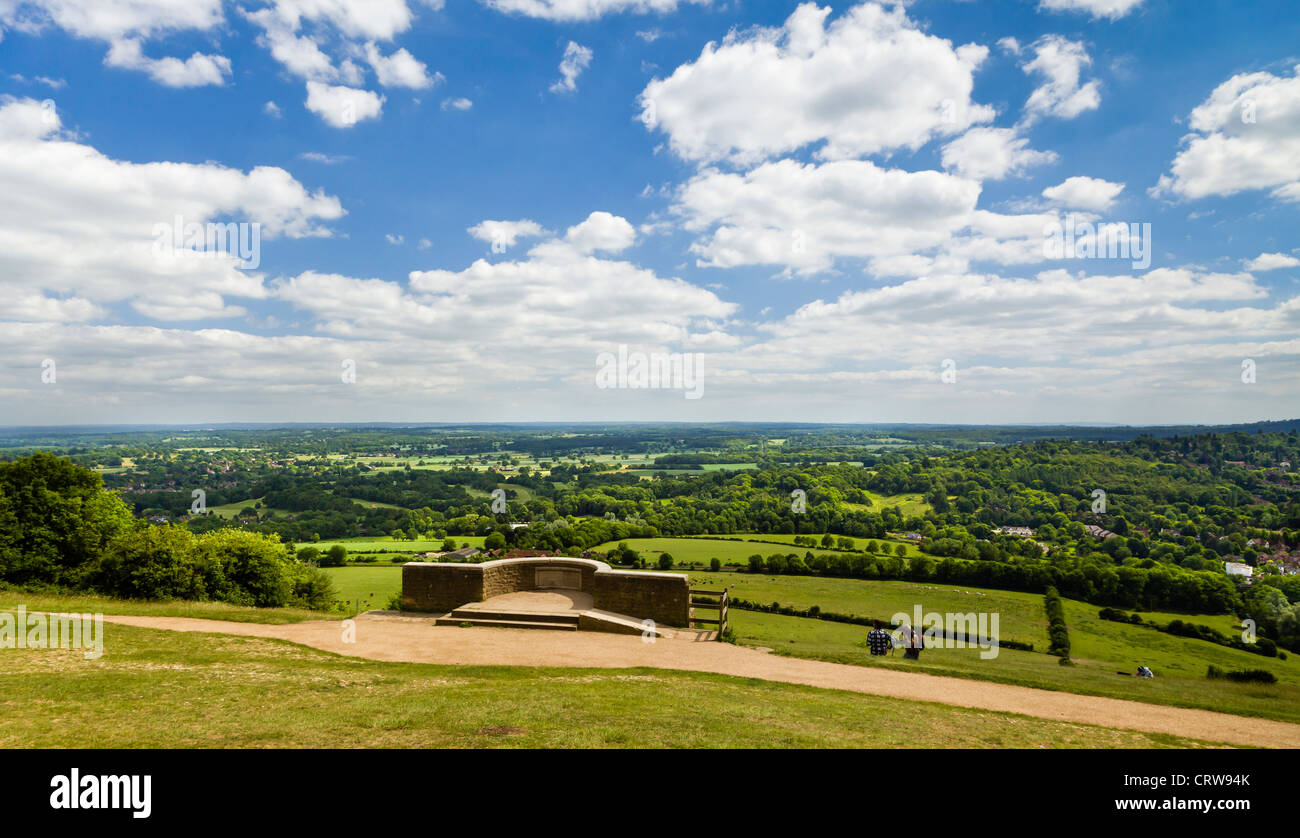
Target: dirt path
pixel 388 637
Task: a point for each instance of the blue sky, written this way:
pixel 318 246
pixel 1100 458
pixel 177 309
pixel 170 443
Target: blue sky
pixel 825 206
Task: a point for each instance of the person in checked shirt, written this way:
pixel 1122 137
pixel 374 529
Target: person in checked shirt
pixel 879 640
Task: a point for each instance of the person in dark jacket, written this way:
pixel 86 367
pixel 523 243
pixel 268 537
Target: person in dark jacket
pixel 879 640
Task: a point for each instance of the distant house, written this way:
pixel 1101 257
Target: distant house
pixel 1098 532
pixel 913 536
pixel 1238 569
pixel 1023 532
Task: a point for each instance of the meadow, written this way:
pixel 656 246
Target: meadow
pixel 387 544
pixel 1106 654
pixel 158 689
pixel 733 549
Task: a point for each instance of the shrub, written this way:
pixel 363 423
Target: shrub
pixel 156 563
pixel 254 566
pixel 1057 634
pixel 311 588
pixel 1242 676
pixel 715 564
pixel 665 561
pixel 335 556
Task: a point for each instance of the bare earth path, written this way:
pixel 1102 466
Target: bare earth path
pixel 389 637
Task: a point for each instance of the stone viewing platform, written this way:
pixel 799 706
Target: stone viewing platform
pixel 548 592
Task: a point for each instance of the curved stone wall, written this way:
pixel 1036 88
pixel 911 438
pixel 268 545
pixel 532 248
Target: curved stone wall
pixel 444 586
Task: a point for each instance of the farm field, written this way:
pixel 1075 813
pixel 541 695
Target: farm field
pixel 373 587
pixel 181 690
pixel 392 545
pixel 230 510
pixel 859 543
pixel 908 504
pixel 701 549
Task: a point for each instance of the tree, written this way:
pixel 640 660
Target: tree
pixel 665 561
pixel 715 564
pixel 449 545
pixel 58 520
pixel 254 565
pixel 309 555
pixel 156 563
pixel 335 556
pixel 495 541
pixel 900 550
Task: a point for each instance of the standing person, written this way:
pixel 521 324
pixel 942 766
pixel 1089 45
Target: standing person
pixel 913 643
pixel 879 640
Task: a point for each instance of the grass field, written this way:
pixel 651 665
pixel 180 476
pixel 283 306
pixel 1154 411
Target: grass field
pixel 859 543
pixel 91 604
pixel 1020 615
pixel 371 586
pixel 841 643
pixel 908 504
pixel 156 689
pixel 701 550
pixel 230 510
pixel 1102 649
pixel 376 545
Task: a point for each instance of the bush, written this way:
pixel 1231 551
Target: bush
pixel 715 564
pixel 1242 676
pixel 312 588
pixel 157 563
pixel 336 556
pixel 1057 634
pixel 254 566
pixel 665 561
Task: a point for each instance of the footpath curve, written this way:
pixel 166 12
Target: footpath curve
pixel 391 637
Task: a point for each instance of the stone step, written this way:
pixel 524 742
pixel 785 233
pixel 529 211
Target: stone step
pixel 500 623
pixel 562 617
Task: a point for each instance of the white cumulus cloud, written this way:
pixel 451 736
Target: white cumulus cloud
pixel 770 91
